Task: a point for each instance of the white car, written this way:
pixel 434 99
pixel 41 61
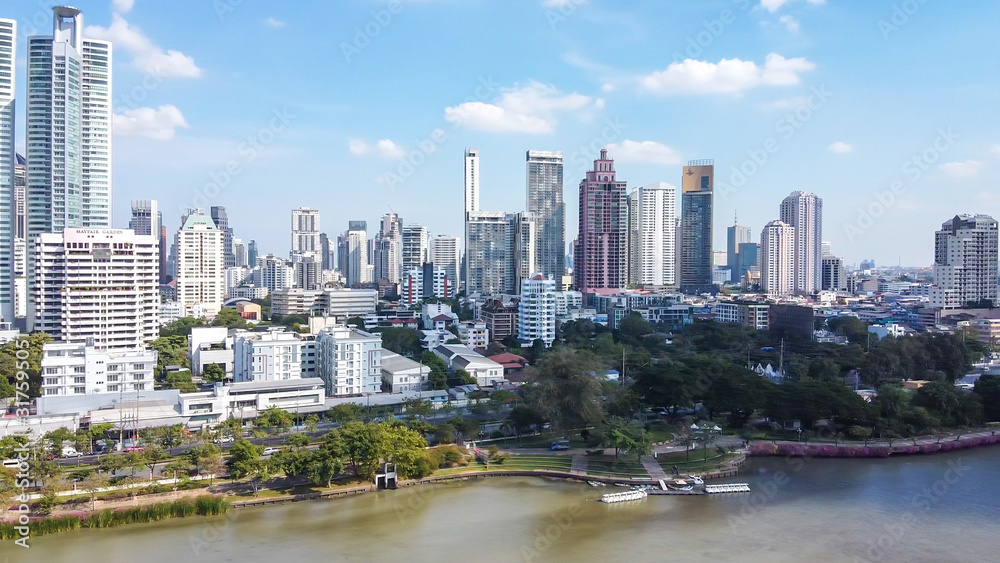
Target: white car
pixel 68 452
pixel 224 440
pixel 271 451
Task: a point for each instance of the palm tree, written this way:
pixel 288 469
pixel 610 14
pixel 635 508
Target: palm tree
pixel 687 441
pixel 707 438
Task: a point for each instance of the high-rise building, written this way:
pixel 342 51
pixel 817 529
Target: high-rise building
pixel 69 128
pixel 423 282
pixel 349 361
pixel 20 197
pixel 146 218
pixel 221 220
pixel 252 253
pixel 487 253
pixel 545 201
pixel 98 285
pixel 240 253
pixel 747 258
pixel 275 273
pixel 201 272
pixel 696 226
pixel 308 272
pixel 305 231
pixel 656 219
pixel 634 242
pixel 522 244
pixel 416 246
pixel 834 274
pixel 353 251
pixel 9 191
pixel 777 244
pixel 326 249
pixel 804 212
pixel 536 313
pixel 445 255
pixel 388 254
pixel 735 236
pixel 602 249
pixel 471 180
pixel 965 260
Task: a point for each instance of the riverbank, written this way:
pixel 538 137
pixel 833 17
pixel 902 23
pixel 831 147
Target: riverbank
pixel 872 452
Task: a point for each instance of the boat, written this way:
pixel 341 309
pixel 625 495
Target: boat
pixel 679 485
pixel 697 480
pixel 730 488
pixel 626 496
pixel 596 484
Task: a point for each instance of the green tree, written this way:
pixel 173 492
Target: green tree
pixel 171 351
pixel 566 390
pixel 92 485
pixel 181 327
pixel 56 439
pixel 634 327
pixel 344 413
pixel 403 341
pixel 419 408
pixel 10 364
pixel 627 437
pixel 180 380
pixel 214 373
pixel 463 377
pixel 311 423
pixel 152 457
pixel 739 393
pixel 229 318
pixel 245 463
pixel 276 419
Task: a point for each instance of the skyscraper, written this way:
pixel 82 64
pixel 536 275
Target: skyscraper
pixel 735 236
pixel 657 211
pixel 696 228
pixel 305 231
pixel 601 250
pixel 389 250
pixel 416 246
pixel 521 258
pixel 8 202
pixel 201 272
pixel 69 128
pixel 545 201
pixel 146 217
pixel 221 220
pixel 471 200
pixel 252 253
pixel 326 251
pixel 804 212
pixel 98 284
pixel 777 244
pixel 353 249
pixel 965 261
pixel 486 253
pixel 444 255
pixel 634 262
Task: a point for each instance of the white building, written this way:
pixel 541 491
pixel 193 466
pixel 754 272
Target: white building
pixel 211 345
pixel 353 254
pixel 305 231
pixel 416 247
pixel 965 261
pixel 544 175
pixel 249 292
pixel 777 249
pixel 349 302
pixel 349 361
pixel 471 180
pixel 656 218
pixel 8 215
pixel 567 301
pixel 536 313
pixel 201 276
pixel 402 375
pixel 77 369
pixel 474 335
pixel 247 400
pixel 414 287
pixel 804 212
pixel 445 255
pixel 275 355
pixel 457 356
pixel 99 284
pixel 235 277
pixel 275 273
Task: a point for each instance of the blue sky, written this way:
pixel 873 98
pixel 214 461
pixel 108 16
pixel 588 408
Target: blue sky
pixel 359 107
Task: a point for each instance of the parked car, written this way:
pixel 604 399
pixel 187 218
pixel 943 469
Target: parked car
pixel 271 451
pixel 224 440
pixel 131 449
pixel 71 452
pixel 559 446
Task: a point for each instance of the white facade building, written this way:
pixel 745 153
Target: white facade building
pixel 416 247
pixel 567 301
pixel 804 212
pixel 457 356
pixel 445 255
pixel 777 249
pixel 965 261
pixel 402 375
pixel 656 217
pixel 305 231
pixel 8 214
pixel 349 361
pixel 100 284
pixel 536 313
pixel 275 273
pixel 201 275
pixel 471 180
pixel 78 369
pixel 266 356
pixel 412 289
pixel 474 335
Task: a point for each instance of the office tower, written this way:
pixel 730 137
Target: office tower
pixel 145 219
pixel 11 195
pixel 20 197
pixel 735 236
pixel 804 212
pixel 201 272
pixel 445 255
pixel 834 274
pixel 69 128
pixel 777 267
pixel 521 260
pixel 601 252
pixel 656 220
pixel 545 200
pixel 326 251
pixel 471 180
pixel 416 246
pixel 747 257
pixel 305 231
pixel 98 284
pixel 221 220
pixel 965 261
pixel 353 248
pixel 240 253
pixel 634 263
pixel 252 253
pixel 486 253
pixel 696 229
pixel 423 282
pixel 389 249
pixel 536 312
pixel 308 272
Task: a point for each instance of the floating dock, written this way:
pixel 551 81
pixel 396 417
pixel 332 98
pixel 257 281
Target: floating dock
pixel 731 488
pixel 625 496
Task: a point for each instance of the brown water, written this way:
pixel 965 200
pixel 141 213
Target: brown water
pixel 920 509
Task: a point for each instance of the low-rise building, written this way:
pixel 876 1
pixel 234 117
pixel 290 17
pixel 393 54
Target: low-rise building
pixel 474 335
pixel 246 400
pixel 78 369
pixel 274 355
pixel 211 345
pixel 457 356
pixel 402 375
pixel 349 361
pixel 500 317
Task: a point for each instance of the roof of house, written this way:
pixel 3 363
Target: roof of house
pixel 394 363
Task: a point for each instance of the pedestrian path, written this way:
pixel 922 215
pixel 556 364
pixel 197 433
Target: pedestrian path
pixel 653 468
pixel 579 465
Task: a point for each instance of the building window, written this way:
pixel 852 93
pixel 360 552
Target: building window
pixel 51 371
pixel 79 390
pixel 79 369
pixel 79 380
pixel 112 388
pixel 139 366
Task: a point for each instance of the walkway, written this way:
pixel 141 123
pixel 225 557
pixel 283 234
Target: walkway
pixel 653 468
pixel 579 466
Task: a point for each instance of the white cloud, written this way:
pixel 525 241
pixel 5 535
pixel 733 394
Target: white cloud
pixel 145 55
pixel 160 123
pixel 608 87
pixel 791 24
pixel 841 147
pixel 274 22
pixel 384 148
pixel 644 151
pixel 775 5
pixel 562 3
pixel 527 109
pixel 122 6
pixel 964 169
pixel 727 76
pixel 995 149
